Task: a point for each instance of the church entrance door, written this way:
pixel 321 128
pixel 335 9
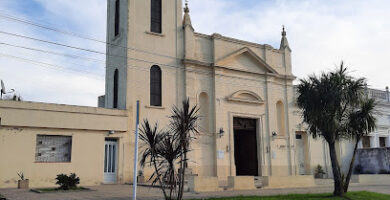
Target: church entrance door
pixel 245 147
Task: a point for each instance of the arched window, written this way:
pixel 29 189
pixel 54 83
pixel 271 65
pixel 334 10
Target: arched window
pixel 280 118
pixel 204 112
pixel 155 15
pixel 155 86
pixel 116 82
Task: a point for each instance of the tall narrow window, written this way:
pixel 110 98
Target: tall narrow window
pixel 155 16
pixel 155 86
pixel 366 142
pixel 204 112
pixel 116 82
pixel 280 118
pixel 117 6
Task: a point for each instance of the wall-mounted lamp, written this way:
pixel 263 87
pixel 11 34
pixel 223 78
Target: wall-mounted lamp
pixel 111 132
pixel 274 134
pixel 221 132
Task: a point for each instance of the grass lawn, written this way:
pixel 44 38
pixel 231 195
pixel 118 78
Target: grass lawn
pixel 349 196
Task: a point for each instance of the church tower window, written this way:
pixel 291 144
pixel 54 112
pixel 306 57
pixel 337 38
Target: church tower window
pixel 117 10
pixel 155 86
pixel 155 25
pixel 116 82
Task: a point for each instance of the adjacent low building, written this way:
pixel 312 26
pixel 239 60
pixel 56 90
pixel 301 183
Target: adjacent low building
pixel 381 136
pixel 42 140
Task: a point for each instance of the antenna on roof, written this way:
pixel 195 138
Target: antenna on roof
pixel 2 89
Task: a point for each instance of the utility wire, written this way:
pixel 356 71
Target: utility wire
pixel 16 19
pixel 61 54
pixel 47 65
pixel 52 52
pixel 29 22
pixel 61 68
pixel 54 43
pixel 140 60
pixel 83 49
pixel 145 69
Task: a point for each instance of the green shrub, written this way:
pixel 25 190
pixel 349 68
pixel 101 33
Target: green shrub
pixel 67 182
pixel 319 170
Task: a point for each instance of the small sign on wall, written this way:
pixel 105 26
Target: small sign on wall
pixel 220 154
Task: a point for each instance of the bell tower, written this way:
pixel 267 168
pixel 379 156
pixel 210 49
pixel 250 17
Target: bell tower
pixel 142 34
pixel 116 55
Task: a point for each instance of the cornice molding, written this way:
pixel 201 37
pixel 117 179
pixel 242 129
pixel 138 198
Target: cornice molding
pixel 236 97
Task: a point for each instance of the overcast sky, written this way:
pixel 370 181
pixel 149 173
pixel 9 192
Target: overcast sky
pixel 321 34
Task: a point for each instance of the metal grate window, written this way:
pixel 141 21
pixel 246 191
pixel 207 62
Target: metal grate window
pixel 53 148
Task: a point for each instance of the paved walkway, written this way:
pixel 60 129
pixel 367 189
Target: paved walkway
pixel 123 192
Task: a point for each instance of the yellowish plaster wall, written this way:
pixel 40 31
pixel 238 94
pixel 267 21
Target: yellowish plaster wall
pixel 21 122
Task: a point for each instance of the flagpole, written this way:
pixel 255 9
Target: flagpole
pixel 136 154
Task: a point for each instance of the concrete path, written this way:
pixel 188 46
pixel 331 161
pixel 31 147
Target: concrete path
pixel 123 192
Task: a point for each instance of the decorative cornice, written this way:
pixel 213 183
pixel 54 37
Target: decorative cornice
pixel 235 97
pixel 243 42
pixel 251 53
pixel 197 62
pixel 237 41
pixel 288 77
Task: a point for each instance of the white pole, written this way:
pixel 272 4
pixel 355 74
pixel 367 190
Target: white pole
pixel 136 155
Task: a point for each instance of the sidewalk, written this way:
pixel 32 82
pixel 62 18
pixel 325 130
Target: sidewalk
pixel 123 192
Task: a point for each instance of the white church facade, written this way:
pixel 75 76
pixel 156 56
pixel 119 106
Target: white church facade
pixel 244 90
pixel 250 124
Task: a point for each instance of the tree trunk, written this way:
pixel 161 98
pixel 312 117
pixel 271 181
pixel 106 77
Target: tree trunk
pixel 183 166
pixel 159 179
pixel 338 182
pixel 348 178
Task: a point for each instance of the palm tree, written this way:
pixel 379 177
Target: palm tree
pixel 152 138
pixel 170 151
pixel 183 125
pixel 361 122
pixel 163 150
pixel 324 101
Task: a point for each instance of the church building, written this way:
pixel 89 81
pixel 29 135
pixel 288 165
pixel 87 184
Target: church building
pixel 244 90
pixel 250 125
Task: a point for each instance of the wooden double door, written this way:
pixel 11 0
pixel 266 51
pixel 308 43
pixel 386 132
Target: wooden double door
pixel 245 147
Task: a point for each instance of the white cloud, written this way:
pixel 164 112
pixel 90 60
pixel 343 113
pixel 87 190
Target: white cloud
pixel 321 33
pixel 43 83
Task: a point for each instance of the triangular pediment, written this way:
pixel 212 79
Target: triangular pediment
pixel 246 96
pixel 245 59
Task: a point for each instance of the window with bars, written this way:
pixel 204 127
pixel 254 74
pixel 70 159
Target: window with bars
pixel 366 142
pixel 382 142
pixel 117 10
pixel 53 148
pixel 155 86
pixel 156 15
